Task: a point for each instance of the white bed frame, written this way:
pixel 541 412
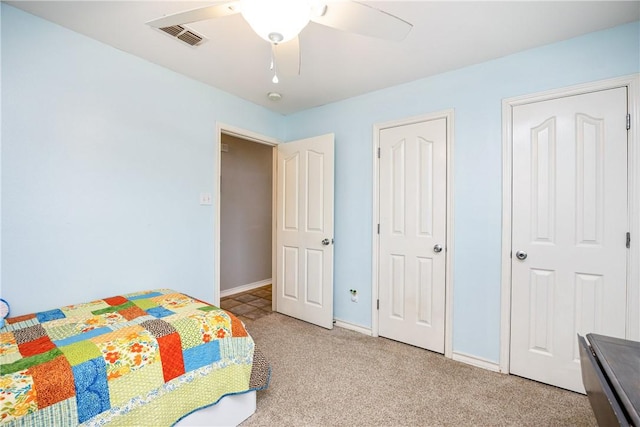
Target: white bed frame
pixel 229 411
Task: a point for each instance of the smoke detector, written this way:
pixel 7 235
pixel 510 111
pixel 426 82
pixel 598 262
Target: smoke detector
pixel 274 96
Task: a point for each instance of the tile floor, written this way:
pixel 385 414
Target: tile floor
pixel 249 305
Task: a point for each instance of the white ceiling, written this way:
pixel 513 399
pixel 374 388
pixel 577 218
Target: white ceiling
pixel 336 65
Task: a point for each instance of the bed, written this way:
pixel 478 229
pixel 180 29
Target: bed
pixel 147 358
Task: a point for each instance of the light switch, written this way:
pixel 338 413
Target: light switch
pixel 205 199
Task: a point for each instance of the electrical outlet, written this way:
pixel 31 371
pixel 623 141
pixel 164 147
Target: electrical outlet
pixel 205 199
pixel 354 295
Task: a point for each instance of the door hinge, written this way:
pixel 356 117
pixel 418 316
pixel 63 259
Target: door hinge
pixel 378 304
pixel 378 152
pixel 378 228
pixel 628 240
pixel 628 122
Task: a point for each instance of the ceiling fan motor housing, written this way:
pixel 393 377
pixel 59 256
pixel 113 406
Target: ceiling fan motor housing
pixel 276 21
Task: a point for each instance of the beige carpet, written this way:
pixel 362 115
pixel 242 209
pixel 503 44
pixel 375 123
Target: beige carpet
pixel 344 378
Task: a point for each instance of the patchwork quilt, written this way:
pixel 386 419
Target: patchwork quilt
pixel 145 358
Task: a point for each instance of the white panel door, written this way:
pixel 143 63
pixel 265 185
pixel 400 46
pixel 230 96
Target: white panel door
pixel 570 221
pixel 304 230
pixel 413 185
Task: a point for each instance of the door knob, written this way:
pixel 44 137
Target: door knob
pixel 437 249
pixel 326 242
pixel 521 255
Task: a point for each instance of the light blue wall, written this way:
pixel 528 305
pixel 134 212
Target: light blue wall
pixel 475 93
pixel 104 156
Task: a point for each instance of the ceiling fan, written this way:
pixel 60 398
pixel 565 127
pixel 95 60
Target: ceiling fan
pixel 280 21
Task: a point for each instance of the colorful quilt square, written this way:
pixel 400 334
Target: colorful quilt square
pixel 134 384
pixel 18 319
pixel 132 312
pixel 202 355
pixel 158 328
pixel 17 396
pixel 8 348
pixel 64 413
pixel 189 331
pixel 53 381
pixel 80 352
pixel 214 324
pixel 160 312
pixel 92 391
pixel 177 302
pixel 47 316
pixel 145 304
pixel 118 300
pixel 237 327
pixel 37 346
pixel 98 321
pixel 30 333
pixel 171 356
pixel 63 330
pixel 129 353
pixel 236 349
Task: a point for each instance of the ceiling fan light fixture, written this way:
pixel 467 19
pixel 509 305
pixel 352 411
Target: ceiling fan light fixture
pixel 276 21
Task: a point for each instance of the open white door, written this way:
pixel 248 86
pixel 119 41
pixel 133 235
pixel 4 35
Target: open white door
pixel 304 230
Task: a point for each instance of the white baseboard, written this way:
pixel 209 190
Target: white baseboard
pixel 351 326
pixel 476 361
pixel 245 288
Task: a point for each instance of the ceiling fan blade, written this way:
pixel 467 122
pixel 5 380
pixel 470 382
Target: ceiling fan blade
pixel 363 19
pixel 287 57
pixel 194 15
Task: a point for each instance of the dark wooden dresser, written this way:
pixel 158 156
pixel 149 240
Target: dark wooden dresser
pixel 611 376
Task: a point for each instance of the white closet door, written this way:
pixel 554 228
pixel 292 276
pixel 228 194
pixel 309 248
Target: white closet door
pixel 413 187
pixel 569 259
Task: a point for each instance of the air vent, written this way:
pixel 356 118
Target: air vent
pixel 184 34
pixel 173 31
pixel 191 38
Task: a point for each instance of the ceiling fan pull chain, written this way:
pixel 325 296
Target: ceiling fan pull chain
pixel 274 64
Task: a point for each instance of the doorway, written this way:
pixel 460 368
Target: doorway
pixel 302 225
pixel 246 172
pixel 244 222
pixel 568 214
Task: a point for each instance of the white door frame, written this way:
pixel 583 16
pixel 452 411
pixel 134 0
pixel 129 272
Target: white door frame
pixel 448 115
pixel 633 260
pixel 222 128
